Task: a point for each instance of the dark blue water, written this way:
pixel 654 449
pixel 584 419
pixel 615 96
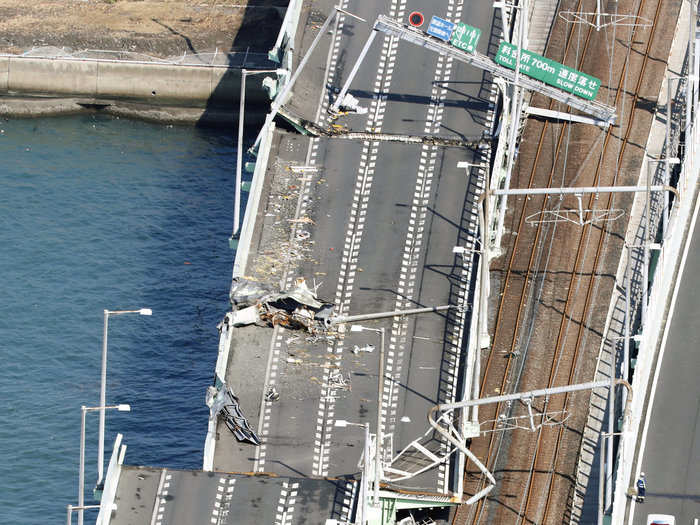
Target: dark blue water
pixel 99 213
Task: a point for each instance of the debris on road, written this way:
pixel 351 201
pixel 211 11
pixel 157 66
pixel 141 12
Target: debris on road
pixel 296 309
pixel 367 348
pixel 223 403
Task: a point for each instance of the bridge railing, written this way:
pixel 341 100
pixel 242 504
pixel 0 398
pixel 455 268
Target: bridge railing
pixel 663 289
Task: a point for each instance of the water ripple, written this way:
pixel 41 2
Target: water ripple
pixel 105 213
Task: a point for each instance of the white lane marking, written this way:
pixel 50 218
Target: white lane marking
pixel 353 238
pixel 222 500
pixel 161 492
pixel 302 204
pixel 348 501
pixel 411 255
pixel 286 502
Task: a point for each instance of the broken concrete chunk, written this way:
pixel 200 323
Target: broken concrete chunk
pixel 246 316
pixel 245 292
pixel 298 308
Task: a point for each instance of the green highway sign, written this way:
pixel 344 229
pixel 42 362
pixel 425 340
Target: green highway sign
pixel 548 71
pixel 465 37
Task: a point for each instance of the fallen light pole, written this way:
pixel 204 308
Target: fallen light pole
pixel 342 319
pixel 338 320
pixel 452 436
pixel 395 28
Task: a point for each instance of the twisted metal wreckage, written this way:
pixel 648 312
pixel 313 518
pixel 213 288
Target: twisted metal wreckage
pixel 296 309
pixel 223 403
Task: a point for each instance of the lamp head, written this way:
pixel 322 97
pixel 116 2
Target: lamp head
pixel 145 311
pixel 124 408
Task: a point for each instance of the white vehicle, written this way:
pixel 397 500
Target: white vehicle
pixel 660 519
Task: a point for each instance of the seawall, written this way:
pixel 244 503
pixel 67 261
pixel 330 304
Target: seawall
pixel 31 86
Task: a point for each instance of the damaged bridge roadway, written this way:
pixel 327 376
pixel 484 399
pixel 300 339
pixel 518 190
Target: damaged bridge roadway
pixel 370 226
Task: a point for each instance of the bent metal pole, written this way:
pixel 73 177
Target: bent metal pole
pixel 511 397
pixel 282 96
pixel 383 315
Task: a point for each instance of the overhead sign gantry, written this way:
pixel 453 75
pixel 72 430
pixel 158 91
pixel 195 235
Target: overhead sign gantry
pixel 563 92
pixel 548 71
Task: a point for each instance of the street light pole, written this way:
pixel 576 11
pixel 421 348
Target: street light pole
pixel 380 396
pixel 282 96
pixel 239 147
pixel 81 469
pixel 103 387
pixel 379 437
pixel 364 489
pixel 71 508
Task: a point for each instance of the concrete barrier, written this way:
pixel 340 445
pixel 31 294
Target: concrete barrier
pixel 109 492
pixel 139 81
pixel 667 279
pixel 32 75
pixel 239 264
pixel 225 337
pixel 4 73
pixel 142 82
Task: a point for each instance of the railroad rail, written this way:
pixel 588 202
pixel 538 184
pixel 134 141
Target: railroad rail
pixel 532 467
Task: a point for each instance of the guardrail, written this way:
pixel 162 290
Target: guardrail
pixel 111 481
pixel 282 53
pixel 664 289
pixel 284 45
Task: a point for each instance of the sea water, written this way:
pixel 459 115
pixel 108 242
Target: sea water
pixel 104 213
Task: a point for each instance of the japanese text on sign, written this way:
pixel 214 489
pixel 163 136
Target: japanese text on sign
pixel 440 28
pixel 465 37
pixel 548 71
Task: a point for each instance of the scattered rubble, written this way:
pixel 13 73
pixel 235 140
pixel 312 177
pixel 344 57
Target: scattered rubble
pixel 296 309
pixel 367 348
pixel 342 132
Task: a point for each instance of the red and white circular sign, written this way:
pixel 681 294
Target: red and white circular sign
pixel 416 19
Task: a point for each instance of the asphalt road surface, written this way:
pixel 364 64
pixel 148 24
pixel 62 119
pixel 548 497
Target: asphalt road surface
pixel 671 459
pixel 385 217
pixel 178 497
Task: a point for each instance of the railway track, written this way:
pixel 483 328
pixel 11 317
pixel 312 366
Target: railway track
pixel 551 287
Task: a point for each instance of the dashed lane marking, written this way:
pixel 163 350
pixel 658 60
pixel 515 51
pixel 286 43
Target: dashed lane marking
pixel 161 494
pixel 222 501
pixel 353 238
pixel 304 197
pixel 286 502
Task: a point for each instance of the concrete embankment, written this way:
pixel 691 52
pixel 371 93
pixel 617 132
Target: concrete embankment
pixel 163 92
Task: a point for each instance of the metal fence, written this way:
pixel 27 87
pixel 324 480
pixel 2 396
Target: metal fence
pixel 216 58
